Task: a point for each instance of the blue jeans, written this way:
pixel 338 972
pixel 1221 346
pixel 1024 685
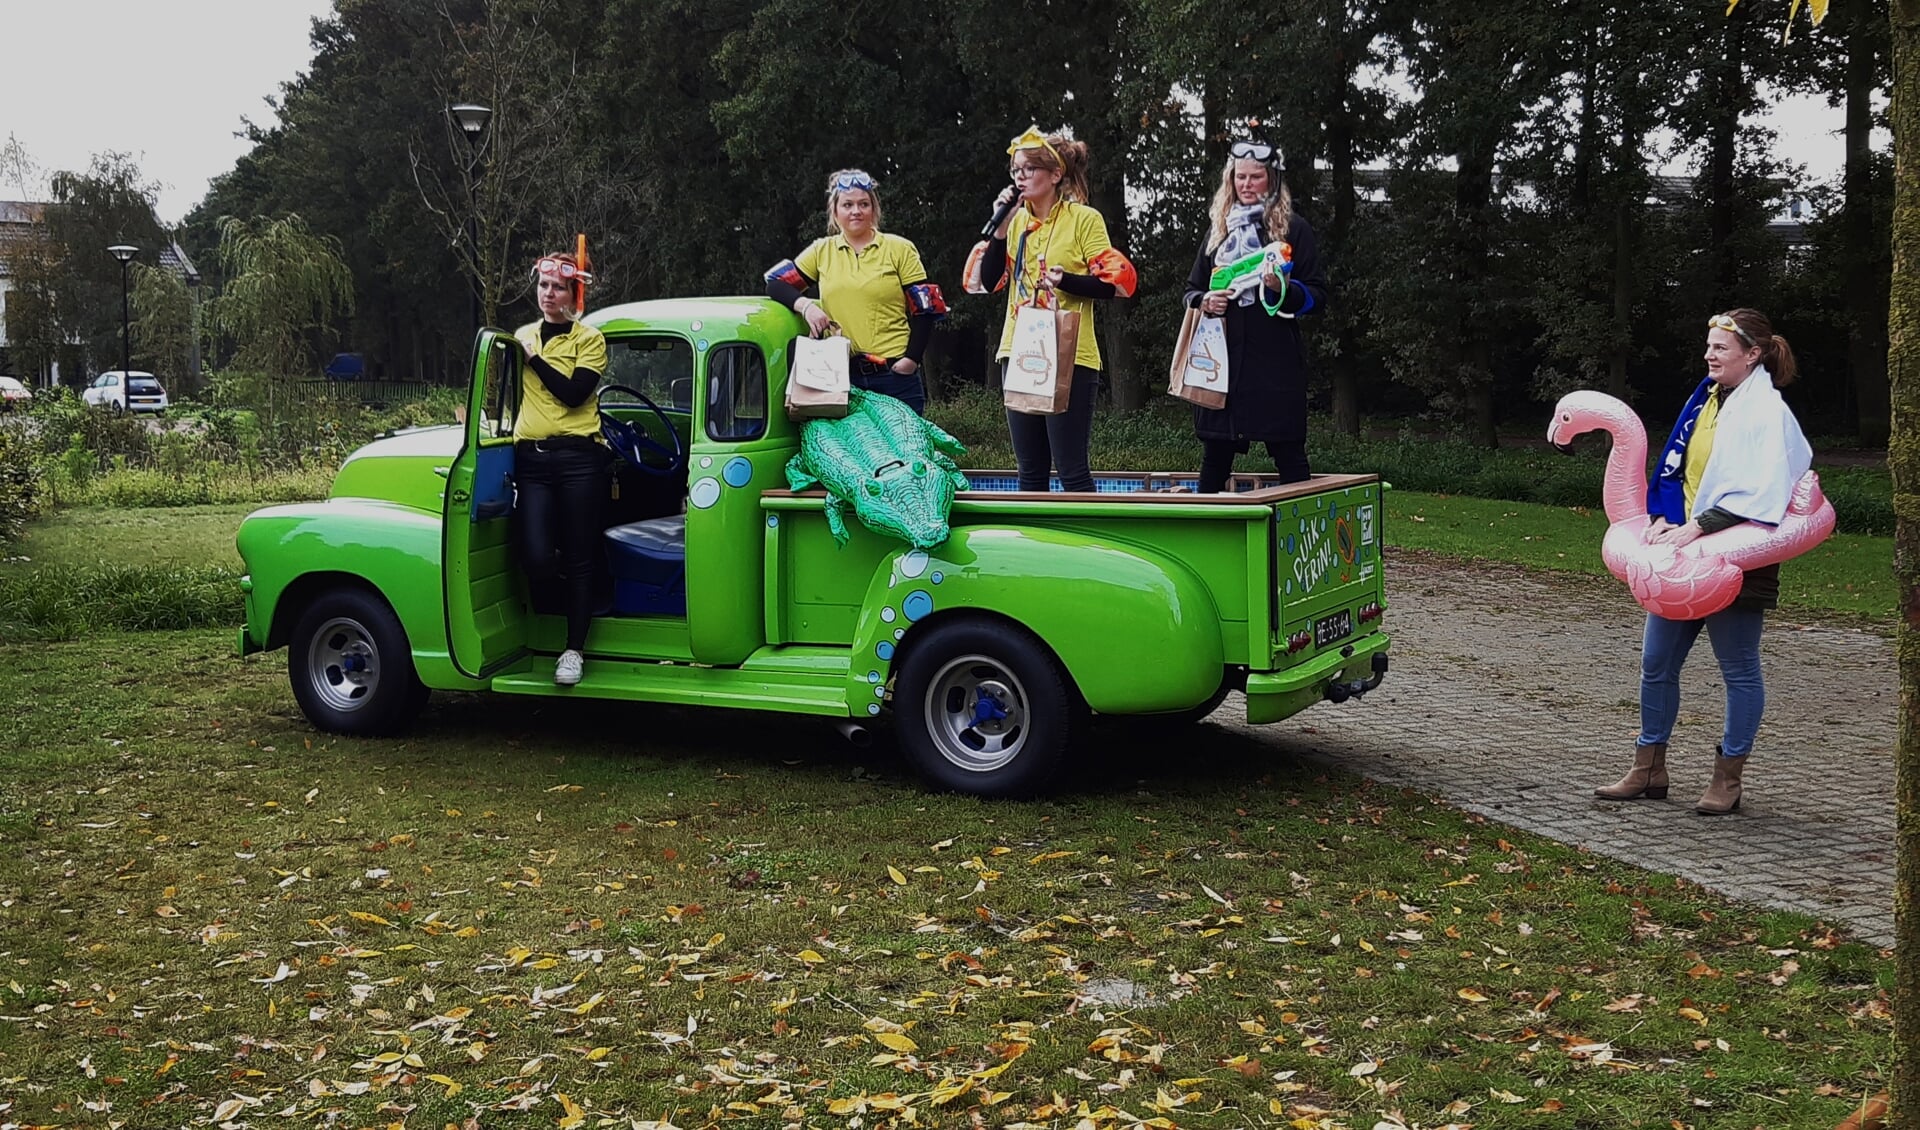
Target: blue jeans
pixel 907 388
pixel 1735 635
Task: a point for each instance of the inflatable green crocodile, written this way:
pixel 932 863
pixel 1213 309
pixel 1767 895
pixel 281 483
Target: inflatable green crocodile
pixel 893 468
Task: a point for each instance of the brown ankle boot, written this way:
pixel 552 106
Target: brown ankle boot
pixel 1647 778
pixel 1723 795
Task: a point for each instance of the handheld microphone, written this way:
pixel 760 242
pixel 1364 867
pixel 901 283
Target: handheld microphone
pixel 999 216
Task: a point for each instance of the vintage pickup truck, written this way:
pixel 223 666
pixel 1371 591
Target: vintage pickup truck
pixel 724 588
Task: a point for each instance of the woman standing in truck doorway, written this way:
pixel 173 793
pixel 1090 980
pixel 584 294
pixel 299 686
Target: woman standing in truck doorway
pixel 560 464
pixel 872 285
pixel 1061 257
pixel 1266 358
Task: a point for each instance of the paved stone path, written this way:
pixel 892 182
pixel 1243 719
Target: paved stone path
pixel 1513 695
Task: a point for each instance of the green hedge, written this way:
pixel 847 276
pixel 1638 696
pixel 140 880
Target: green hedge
pixel 1161 438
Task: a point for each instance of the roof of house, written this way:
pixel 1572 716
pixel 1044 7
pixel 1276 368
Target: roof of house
pixel 19 219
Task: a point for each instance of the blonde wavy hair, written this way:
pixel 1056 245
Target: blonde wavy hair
pixel 1279 212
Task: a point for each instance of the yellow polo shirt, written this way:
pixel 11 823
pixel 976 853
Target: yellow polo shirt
pixel 861 289
pixel 542 416
pixel 1700 446
pixel 1069 238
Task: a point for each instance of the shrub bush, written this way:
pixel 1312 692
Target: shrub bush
pixel 19 485
pixel 51 604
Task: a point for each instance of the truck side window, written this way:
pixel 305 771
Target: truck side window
pixel 502 395
pixel 736 392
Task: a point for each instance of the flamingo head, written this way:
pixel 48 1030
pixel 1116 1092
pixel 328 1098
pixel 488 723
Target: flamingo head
pixel 1585 411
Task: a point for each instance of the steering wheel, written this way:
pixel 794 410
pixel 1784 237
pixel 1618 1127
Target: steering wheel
pixel 634 444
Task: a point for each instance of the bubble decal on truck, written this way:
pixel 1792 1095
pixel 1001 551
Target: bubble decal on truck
pixel 704 493
pixel 887 614
pixel 884 650
pixel 873 708
pixel 738 472
pixel 919 602
pixel 913 564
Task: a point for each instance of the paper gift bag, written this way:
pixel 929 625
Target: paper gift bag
pixel 1039 377
pixel 1199 370
pixel 817 384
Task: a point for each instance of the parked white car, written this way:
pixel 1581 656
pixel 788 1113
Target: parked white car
pixel 13 394
pixel 126 392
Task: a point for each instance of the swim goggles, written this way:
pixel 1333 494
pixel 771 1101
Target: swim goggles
pixel 551 268
pixel 1726 322
pixel 1252 150
pixel 855 179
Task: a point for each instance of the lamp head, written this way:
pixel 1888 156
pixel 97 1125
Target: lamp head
pixel 123 252
pixel 472 118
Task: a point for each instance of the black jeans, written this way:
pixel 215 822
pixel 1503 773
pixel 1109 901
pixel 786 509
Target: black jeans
pixel 1216 461
pixel 1058 442
pixel 563 489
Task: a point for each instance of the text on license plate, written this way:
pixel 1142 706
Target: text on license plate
pixel 1327 629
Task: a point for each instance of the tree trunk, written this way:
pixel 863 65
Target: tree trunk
pixel 1581 195
pixel 1903 459
pixel 1632 194
pixel 1473 204
pixel 1866 266
pixel 1122 378
pixel 1730 100
pixel 1340 145
pixel 1622 324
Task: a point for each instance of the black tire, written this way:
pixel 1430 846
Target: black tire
pixel 945 679
pixel 351 668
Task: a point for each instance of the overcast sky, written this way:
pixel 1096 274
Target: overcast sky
pixel 169 81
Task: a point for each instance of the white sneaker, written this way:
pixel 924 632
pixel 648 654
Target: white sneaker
pixel 567 671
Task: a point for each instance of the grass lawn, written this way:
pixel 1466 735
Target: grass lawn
pixel 582 914
pixel 182 535
pixel 1850 574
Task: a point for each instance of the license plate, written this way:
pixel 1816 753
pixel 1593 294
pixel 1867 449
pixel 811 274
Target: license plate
pixel 1328 629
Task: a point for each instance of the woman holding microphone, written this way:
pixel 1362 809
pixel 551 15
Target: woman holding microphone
pixel 1060 258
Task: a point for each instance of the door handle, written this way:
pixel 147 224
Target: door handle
pixel 442 471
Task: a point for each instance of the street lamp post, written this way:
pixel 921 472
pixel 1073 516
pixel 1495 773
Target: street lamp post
pixel 472 120
pixel 125 253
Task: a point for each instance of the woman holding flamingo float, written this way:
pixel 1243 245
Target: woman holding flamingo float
pixel 1734 472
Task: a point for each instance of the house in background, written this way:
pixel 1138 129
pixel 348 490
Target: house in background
pixel 20 221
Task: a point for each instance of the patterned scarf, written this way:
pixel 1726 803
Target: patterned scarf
pixel 1243 239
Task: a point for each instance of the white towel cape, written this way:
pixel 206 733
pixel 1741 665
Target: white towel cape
pixel 1758 454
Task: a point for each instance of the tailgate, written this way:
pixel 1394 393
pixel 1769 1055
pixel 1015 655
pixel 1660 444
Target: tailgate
pixel 1327 581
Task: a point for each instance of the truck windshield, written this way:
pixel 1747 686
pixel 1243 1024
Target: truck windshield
pixel 660 367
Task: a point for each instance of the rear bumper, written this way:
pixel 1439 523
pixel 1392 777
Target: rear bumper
pixel 1347 673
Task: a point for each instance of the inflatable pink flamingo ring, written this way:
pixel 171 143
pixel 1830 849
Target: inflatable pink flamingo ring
pixel 1697 579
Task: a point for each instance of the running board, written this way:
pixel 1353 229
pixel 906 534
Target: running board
pixel 686 685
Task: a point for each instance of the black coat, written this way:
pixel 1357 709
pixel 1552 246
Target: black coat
pixel 1266 358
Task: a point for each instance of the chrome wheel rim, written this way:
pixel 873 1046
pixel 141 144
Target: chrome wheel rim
pixel 343 664
pixel 977 713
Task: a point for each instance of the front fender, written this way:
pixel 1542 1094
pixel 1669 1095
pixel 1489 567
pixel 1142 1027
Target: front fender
pixel 1136 630
pixel 394 549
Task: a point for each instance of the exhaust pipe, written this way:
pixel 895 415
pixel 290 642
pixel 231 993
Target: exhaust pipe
pixel 1340 692
pixel 856 734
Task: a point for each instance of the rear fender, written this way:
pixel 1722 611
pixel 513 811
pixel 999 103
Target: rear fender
pixel 1136 631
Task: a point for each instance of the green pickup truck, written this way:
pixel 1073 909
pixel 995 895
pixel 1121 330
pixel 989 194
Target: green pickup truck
pixel 723 588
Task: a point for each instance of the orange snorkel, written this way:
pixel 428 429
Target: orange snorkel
pixel 580 282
